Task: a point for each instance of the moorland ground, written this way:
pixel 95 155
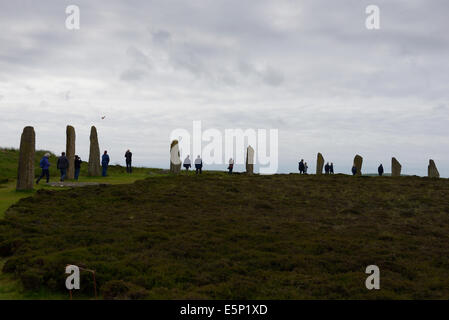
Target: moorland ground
pixel 216 236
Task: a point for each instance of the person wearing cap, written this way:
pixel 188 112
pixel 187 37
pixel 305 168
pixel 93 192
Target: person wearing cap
pixel 45 166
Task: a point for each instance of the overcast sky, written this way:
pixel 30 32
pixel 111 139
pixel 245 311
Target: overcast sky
pixel 308 68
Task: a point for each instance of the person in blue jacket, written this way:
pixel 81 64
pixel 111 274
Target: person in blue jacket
pixel 45 166
pixel 105 163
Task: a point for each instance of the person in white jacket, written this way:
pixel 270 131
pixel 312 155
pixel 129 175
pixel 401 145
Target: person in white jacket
pixel 199 165
pixel 231 166
pixel 187 163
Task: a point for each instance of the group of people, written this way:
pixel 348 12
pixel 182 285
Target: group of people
pixel 302 167
pixel 199 164
pixel 63 164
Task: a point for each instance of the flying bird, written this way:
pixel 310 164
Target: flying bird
pixel 102 118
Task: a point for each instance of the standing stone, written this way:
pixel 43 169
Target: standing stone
pixel 250 160
pixel 319 163
pixel 25 172
pixel 70 151
pixel 432 170
pixel 358 161
pixel 175 158
pixel 395 168
pixel 94 154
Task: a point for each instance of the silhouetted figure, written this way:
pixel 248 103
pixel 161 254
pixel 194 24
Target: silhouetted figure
pixel 354 170
pixel 231 166
pixel 380 170
pixel 105 163
pixel 331 168
pixel 128 156
pixel 301 166
pixel 45 166
pixel 78 162
pixel 187 163
pixel 63 165
pixel 327 168
pixel 198 165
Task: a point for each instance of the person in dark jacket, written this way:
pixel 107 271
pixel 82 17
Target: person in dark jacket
pixel 354 170
pixel 45 166
pixel 128 156
pixel 380 170
pixel 331 168
pixel 63 165
pixel 105 163
pixel 327 168
pixel 78 162
pixel 301 166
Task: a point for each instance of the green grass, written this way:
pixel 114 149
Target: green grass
pixel 236 237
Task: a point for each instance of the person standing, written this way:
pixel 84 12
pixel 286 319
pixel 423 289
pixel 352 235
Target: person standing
pixel 305 167
pixel 231 166
pixel 199 165
pixel 331 168
pixel 301 166
pixel 105 163
pixel 354 170
pixel 380 170
pixel 327 168
pixel 78 162
pixel 128 156
pixel 187 163
pixel 63 165
pixel 45 166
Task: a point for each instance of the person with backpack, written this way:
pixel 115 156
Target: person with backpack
pixel 187 163
pixel 63 165
pixel 105 163
pixel 128 156
pixel 45 166
pixel 78 162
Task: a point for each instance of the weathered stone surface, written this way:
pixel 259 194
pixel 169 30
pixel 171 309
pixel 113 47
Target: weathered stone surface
pixel 175 158
pixel 250 160
pixel 70 151
pixel 25 172
pixel 358 161
pixel 94 154
pixel 432 170
pixel 319 163
pixel 395 168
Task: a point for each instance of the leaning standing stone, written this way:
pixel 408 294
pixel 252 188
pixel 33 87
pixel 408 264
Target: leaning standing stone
pixel 94 154
pixel 432 170
pixel 25 172
pixel 358 161
pixel 250 160
pixel 395 168
pixel 70 151
pixel 175 158
pixel 319 163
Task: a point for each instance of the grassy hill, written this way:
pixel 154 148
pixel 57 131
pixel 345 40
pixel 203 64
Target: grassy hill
pixel 236 237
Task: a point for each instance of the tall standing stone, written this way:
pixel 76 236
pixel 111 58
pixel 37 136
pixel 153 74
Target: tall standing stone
pixel 249 160
pixel 70 151
pixel 25 172
pixel 395 168
pixel 94 154
pixel 319 163
pixel 175 157
pixel 358 161
pixel 432 170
